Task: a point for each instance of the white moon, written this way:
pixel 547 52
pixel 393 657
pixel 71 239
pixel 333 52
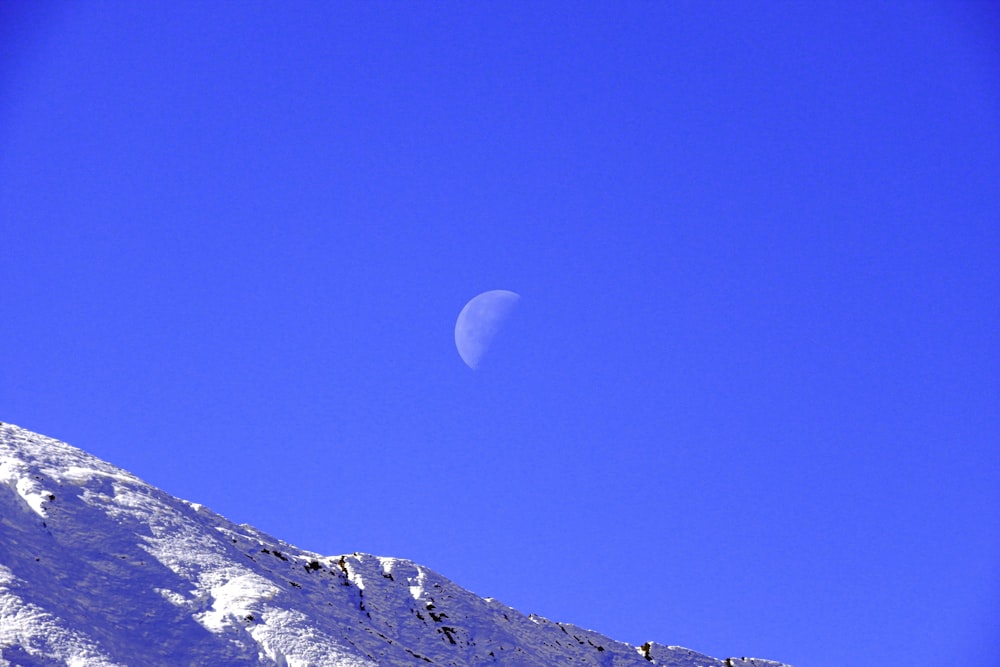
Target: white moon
pixel 479 322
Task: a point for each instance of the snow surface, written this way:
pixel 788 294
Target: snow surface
pixel 99 568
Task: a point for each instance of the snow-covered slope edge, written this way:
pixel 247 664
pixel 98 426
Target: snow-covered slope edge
pixel 99 568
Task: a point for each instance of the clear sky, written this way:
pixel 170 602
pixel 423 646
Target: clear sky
pixel 748 401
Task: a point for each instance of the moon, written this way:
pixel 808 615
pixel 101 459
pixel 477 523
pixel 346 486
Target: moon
pixel 479 322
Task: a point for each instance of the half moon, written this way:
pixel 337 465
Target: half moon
pixel 479 322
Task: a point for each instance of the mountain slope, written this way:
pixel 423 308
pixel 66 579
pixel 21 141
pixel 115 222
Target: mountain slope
pixel 99 568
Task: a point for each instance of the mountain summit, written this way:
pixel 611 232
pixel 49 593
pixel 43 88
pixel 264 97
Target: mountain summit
pixel 99 568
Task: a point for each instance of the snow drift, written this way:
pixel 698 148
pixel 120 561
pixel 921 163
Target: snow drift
pixel 99 568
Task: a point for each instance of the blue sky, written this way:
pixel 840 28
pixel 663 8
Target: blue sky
pixel 748 402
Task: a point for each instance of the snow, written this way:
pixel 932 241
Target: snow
pixel 99 568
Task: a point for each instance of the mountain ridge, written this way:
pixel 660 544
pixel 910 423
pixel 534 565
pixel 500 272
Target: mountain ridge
pixel 97 567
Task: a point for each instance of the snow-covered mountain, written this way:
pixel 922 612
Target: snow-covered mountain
pixel 99 568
